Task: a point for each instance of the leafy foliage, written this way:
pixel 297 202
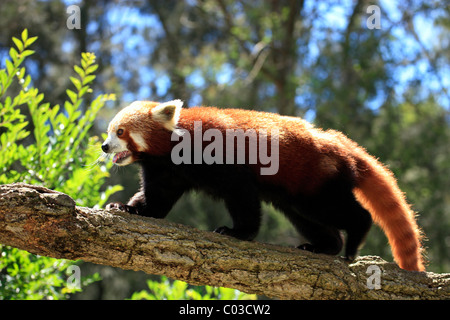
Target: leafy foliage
pixel 24 276
pixel 179 290
pixel 57 154
pixel 53 153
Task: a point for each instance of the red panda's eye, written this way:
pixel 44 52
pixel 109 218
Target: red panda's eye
pixel 119 132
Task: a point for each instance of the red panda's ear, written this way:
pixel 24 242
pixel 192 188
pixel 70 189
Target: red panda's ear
pixel 168 113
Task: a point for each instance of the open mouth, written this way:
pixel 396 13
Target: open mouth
pixel 119 157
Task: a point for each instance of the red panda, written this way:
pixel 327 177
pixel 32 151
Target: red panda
pixel 323 182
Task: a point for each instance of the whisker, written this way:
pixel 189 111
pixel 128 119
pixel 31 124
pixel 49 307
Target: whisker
pixel 103 157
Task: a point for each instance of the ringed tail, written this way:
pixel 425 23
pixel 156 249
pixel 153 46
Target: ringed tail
pixel 378 192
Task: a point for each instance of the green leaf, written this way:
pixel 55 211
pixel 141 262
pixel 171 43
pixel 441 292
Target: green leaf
pixel 7 102
pixel 9 67
pixel 39 97
pixel 83 91
pixel 76 83
pixel 72 95
pixel 91 69
pixel 68 107
pixel 30 41
pixel 27 53
pixel 88 79
pixel 24 35
pixel 13 54
pixel 79 71
pixel 27 81
pixel 18 43
pixel 84 64
pixel 3 77
pixel 21 73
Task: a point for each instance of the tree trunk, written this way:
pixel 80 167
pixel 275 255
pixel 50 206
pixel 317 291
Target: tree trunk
pixel 48 223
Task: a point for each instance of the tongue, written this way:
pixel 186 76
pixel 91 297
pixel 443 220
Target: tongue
pixel 119 156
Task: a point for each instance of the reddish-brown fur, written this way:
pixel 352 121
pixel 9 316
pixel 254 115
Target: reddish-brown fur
pixel 308 158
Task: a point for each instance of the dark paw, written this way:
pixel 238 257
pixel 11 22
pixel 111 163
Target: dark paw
pixel 307 247
pixel 116 206
pixel 350 258
pixel 224 230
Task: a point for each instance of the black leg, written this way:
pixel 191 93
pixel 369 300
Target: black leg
pixel 245 211
pixel 160 197
pixel 319 219
pixel 321 238
pixel 344 212
pixel 339 210
pixel 358 225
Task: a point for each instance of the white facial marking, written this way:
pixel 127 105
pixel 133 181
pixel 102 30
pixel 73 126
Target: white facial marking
pixel 115 144
pixel 139 141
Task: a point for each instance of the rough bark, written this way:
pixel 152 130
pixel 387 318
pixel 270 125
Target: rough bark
pixel 48 223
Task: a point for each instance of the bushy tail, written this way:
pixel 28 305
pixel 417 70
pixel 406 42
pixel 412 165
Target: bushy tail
pixel 378 192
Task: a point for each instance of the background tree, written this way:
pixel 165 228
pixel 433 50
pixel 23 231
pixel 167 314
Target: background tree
pixel 385 88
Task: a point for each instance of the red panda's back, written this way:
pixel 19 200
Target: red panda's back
pixel 307 156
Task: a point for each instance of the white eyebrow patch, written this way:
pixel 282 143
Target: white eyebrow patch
pixel 139 141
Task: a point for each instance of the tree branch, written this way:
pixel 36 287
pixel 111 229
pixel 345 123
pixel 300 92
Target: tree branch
pixel 48 223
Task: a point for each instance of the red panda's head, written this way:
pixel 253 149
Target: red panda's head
pixel 141 127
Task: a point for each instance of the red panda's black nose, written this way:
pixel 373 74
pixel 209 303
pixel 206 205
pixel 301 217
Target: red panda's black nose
pixel 105 147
